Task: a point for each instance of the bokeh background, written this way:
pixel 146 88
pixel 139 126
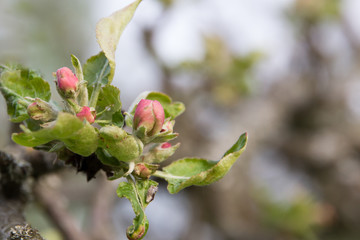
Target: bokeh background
pixel 285 71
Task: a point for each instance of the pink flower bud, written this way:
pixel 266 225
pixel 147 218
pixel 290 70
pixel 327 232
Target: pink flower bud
pixel 67 82
pixel 142 171
pixel 150 115
pixel 86 113
pixel 165 145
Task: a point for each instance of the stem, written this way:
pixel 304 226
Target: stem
pixel 165 175
pixel 131 169
pixel 95 95
pixel 74 107
pixel 102 121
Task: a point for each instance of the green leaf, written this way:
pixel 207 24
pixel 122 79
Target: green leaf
pixel 109 30
pixel 106 158
pixel 97 70
pixel 171 109
pixel 118 119
pixel 195 171
pixel 83 142
pixel 137 193
pixel 109 105
pixel 78 69
pixel 78 137
pixel 240 144
pixel 121 145
pixel 16 83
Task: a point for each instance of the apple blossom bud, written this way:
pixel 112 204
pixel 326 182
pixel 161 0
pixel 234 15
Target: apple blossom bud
pixel 150 115
pixel 168 127
pixel 160 153
pixel 41 110
pixel 142 170
pixel 135 234
pixel 67 82
pixel 165 145
pixel 86 113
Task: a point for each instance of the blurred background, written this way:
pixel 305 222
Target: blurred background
pixel 285 71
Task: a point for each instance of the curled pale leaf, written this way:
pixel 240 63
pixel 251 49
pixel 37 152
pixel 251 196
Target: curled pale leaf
pixel 137 193
pixel 196 171
pixel 109 30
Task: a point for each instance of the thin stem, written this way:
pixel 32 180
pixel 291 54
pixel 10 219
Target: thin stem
pixel 73 106
pixel 95 95
pixel 131 169
pixel 165 175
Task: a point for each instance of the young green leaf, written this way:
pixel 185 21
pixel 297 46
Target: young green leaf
pixel 83 142
pixel 106 158
pixel 172 109
pixel 119 144
pixel 16 83
pixel 138 195
pixel 78 69
pixel 109 104
pixel 195 171
pixel 97 70
pixel 109 30
pixel 78 137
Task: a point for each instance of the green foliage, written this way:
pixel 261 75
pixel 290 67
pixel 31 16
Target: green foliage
pixel 121 145
pixel 78 69
pixel 194 171
pixel 78 137
pixel 137 193
pixel 109 30
pixel 172 109
pixel 17 84
pixel 109 105
pixel 97 70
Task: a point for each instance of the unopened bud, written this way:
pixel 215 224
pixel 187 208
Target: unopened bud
pixel 165 145
pixel 142 171
pixel 160 153
pixel 66 82
pixel 150 115
pixel 168 127
pixel 41 110
pixel 86 113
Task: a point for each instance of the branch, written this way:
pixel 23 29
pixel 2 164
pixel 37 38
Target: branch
pixel 13 198
pixel 53 205
pixel 103 201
